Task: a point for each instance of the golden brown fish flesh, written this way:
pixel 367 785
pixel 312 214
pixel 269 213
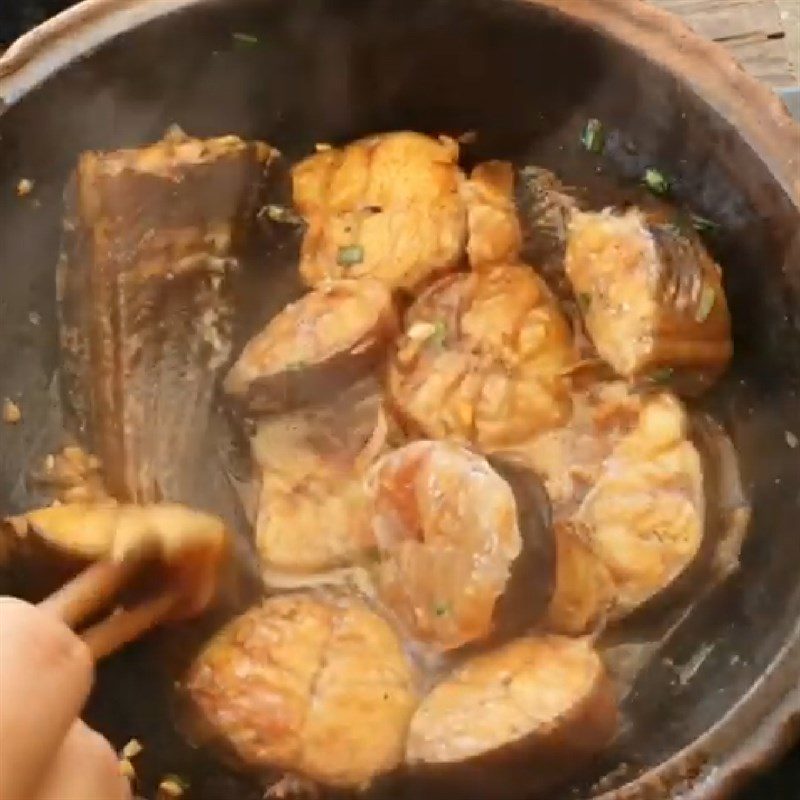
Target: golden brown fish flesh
pixel 388 206
pixel 646 516
pixel 651 297
pixel 313 685
pixel 312 509
pixel 482 359
pixel 494 232
pixel 628 493
pixel 569 459
pixel 584 590
pixel 188 546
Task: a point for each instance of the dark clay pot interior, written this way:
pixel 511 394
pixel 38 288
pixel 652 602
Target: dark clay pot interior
pixel 526 81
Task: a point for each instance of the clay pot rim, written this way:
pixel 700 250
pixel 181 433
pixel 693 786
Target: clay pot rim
pixel 766 721
pixel 749 106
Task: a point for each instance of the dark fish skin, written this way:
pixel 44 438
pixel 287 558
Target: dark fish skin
pixel 153 247
pixel 294 381
pixel 533 576
pixel 537 760
pixel 545 206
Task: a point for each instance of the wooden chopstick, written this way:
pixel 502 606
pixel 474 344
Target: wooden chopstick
pixel 94 589
pixel 125 625
pixel 86 594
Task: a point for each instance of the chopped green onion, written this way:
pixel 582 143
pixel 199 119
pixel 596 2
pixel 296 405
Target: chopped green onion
pixel 585 300
pixel 593 137
pixel 294 366
pixel 707 300
pixel 702 224
pixel 281 215
pixel 439 333
pixel 656 181
pixel 441 609
pixel 245 38
pixel 677 228
pixel 350 255
pixel 681 225
pixel 661 375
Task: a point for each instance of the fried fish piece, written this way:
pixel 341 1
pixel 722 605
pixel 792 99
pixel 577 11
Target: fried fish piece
pixel 569 459
pixel 628 492
pixel 645 518
pixel 315 346
pixel 315 685
pixel 312 510
pixel 460 556
pixel 651 296
pixel 531 711
pixel 189 546
pixel 388 206
pixel 152 240
pixel 482 359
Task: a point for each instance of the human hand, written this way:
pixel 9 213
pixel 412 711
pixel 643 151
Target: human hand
pixel 46 752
